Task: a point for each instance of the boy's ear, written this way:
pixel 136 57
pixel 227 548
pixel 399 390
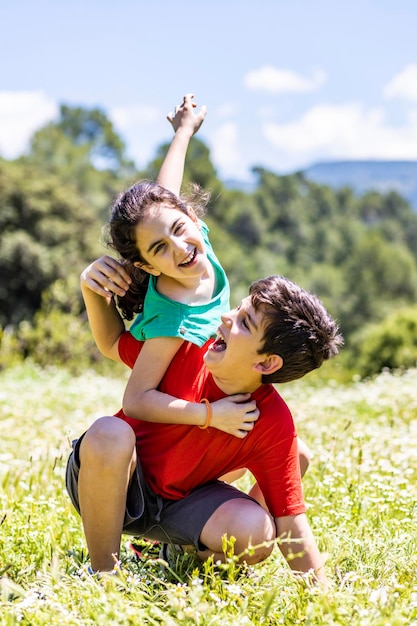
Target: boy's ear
pixel 147 268
pixel 270 364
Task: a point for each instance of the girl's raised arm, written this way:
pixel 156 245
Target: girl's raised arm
pixel 185 122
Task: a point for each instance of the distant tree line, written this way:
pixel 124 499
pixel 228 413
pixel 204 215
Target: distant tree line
pixel 359 254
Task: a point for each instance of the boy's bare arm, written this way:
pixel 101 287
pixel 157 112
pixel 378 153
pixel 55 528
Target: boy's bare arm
pixel 185 122
pixel 299 547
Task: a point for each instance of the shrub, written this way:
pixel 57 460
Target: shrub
pixel 390 344
pixel 58 338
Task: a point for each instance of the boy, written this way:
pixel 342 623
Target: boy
pixel 161 481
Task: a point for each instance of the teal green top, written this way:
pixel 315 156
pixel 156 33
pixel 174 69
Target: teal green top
pixel 163 317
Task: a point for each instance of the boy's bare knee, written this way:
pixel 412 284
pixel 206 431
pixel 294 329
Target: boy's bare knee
pixel 259 555
pixel 262 535
pixel 252 527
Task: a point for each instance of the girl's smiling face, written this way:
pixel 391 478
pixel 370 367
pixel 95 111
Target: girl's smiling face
pixel 170 243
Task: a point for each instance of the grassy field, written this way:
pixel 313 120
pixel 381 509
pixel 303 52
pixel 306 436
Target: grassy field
pixel 361 492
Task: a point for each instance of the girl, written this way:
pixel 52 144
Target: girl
pixel 172 278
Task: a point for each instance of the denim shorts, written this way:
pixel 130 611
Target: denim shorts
pixel 152 516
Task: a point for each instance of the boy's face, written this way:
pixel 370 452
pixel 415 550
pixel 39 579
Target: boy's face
pixel 234 354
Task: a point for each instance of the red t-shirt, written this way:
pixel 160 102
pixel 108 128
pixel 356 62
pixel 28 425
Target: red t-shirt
pixel 178 458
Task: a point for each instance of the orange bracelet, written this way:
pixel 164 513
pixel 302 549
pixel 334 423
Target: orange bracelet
pixel 209 414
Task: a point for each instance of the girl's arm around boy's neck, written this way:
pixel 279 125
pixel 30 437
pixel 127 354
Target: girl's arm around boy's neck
pixel 105 323
pixel 99 281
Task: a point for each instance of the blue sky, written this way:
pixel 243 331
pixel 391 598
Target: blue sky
pixel 286 83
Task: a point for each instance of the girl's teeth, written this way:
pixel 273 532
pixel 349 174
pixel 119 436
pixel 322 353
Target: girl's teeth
pixel 189 258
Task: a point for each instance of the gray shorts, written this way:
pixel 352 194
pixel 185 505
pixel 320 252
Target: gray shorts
pixel 150 515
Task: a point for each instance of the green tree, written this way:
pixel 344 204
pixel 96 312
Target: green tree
pixel 83 149
pixel 90 137
pixel 199 169
pixel 273 195
pixel 391 215
pixel 391 343
pixel 46 233
pixel 374 283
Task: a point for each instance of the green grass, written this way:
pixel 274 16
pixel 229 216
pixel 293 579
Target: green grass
pixel 361 492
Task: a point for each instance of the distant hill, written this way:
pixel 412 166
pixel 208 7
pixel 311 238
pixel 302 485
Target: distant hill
pixel 362 176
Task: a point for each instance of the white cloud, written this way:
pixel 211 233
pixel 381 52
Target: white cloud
pixel 342 132
pixel 21 114
pixel 228 109
pixel 124 117
pixel 274 80
pixel 143 127
pixel 225 152
pixel 267 112
pixel 403 85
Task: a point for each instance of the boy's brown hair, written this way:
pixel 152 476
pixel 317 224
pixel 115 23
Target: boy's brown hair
pixel 297 328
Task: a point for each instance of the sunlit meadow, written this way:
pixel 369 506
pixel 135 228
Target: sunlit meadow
pixel 361 493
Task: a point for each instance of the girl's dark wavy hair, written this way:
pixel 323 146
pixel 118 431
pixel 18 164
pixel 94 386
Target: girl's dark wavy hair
pixel 129 209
